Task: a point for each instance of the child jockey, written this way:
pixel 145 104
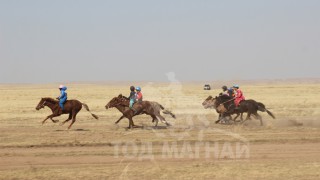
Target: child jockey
pixel 238 95
pixel 63 96
pixel 139 94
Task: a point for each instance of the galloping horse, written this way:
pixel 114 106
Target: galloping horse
pixel 71 107
pixel 249 106
pixel 144 107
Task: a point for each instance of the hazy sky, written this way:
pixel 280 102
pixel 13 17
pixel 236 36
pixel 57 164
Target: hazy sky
pixel 45 41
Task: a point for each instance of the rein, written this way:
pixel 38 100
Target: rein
pixel 228 101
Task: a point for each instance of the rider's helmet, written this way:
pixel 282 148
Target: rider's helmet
pixel 224 88
pixel 138 88
pixel 236 86
pixel 132 88
pixel 61 86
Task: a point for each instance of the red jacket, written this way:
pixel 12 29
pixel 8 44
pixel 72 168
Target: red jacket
pixel 239 97
pixel 139 96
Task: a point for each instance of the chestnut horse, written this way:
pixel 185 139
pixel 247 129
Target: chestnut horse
pixel 71 107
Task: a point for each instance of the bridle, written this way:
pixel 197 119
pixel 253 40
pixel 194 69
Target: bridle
pixel 210 105
pixel 42 105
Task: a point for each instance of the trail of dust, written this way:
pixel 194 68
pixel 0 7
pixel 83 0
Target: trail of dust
pixel 296 122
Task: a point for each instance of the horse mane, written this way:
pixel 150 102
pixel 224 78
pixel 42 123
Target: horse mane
pixel 48 99
pixel 208 98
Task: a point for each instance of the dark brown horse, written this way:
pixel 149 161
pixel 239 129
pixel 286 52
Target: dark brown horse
pixel 71 107
pixel 144 107
pixel 246 106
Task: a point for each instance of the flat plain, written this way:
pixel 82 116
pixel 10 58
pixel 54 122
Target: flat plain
pixel 287 147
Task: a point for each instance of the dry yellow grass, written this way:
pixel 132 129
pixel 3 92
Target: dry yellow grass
pixel 280 149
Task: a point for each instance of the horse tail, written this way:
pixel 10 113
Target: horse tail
pixel 270 114
pixel 161 106
pixel 87 108
pixel 166 111
pixel 262 107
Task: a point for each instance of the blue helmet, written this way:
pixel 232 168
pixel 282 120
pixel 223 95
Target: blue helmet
pixel 138 88
pixel 236 86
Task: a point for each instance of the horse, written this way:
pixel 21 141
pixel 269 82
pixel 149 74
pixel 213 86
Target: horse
pixel 156 107
pixel 249 106
pixel 225 106
pixel 210 102
pixel 71 107
pixel 144 107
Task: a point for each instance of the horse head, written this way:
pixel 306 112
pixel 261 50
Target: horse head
pixel 209 102
pixel 116 101
pixel 41 104
pixel 45 102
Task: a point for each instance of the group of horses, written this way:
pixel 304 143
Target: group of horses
pixel 221 103
pixel 224 105
pixel 72 107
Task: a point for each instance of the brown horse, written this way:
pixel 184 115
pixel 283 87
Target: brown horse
pixel 71 107
pixel 144 107
pixel 210 102
pixel 156 107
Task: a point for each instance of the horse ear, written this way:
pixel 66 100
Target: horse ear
pixel 120 96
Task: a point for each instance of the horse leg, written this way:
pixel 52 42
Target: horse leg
pixel 74 115
pixel 259 117
pixel 228 120
pixel 162 119
pixel 247 118
pixel 130 123
pixel 45 119
pixel 236 117
pixel 154 119
pixel 51 116
pixel 219 118
pixel 54 121
pixel 69 118
pixel 119 119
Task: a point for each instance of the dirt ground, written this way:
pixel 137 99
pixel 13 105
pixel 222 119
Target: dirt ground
pixel 194 147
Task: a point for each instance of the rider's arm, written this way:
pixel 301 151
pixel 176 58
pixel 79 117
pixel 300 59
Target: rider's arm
pixel 63 95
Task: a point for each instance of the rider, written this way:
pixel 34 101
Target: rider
pixel 227 91
pixel 238 95
pixel 63 96
pixel 132 97
pixel 139 94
